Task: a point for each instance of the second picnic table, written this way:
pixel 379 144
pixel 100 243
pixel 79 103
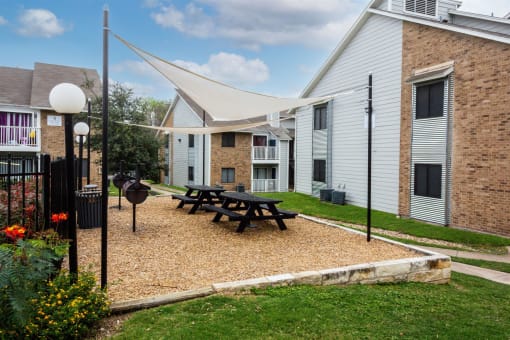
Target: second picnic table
pixel 253 207
pixel 198 195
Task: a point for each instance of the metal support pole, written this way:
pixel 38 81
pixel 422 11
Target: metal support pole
pixel 71 219
pixel 89 112
pixel 80 161
pixel 369 179
pixel 203 149
pixel 134 217
pixel 104 165
pixel 121 171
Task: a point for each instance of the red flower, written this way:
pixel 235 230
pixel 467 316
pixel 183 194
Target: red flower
pixel 57 218
pixel 15 232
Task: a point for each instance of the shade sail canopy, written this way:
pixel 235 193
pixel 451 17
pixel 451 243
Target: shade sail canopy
pixel 222 102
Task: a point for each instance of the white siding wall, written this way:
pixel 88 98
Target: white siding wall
pixel 185 117
pixel 482 24
pixel 283 168
pixel 303 150
pixel 377 48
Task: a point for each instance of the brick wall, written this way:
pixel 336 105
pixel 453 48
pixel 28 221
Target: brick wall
pixel 480 186
pixel 53 143
pixel 238 157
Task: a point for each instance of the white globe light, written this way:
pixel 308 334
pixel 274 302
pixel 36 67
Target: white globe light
pixel 67 98
pixel 81 128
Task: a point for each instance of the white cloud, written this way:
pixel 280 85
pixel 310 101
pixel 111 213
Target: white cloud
pixel 3 21
pixel 263 22
pixel 151 3
pixel 39 23
pixel 231 69
pixel 487 7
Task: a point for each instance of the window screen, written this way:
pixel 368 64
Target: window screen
pixel 191 141
pixel 427 180
pixel 228 139
pixel 319 170
pixel 191 173
pixel 430 100
pixel 228 175
pixel 320 117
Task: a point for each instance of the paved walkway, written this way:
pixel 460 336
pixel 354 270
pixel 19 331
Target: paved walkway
pixel 488 274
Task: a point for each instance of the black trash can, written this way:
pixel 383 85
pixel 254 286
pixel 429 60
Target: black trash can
pixel 325 194
pixel 240 187
pixel 338 197
pixel 89 208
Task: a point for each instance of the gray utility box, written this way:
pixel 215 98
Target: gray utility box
pixel 325 195
pixel 338 197
pixel 89 207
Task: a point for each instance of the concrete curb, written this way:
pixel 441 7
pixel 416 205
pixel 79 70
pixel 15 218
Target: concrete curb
pixel 431 267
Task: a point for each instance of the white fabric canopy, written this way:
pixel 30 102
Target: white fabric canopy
pixel 203 130
pixel 222 102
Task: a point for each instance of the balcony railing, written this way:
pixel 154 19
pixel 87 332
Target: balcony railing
pixel 265 153
pixel 20 136
pixel 264 185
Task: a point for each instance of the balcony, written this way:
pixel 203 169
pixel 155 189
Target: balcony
pixel 265 185
pixel 20 138
pixel 265 153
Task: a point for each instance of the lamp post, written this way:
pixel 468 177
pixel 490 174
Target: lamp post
pixel 69 99
pixel 81 129
pixel 89 111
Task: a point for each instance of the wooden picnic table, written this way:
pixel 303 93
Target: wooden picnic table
pixel 197 195
pixel 253 208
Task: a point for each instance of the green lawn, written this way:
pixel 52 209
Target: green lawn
pixel 499 266
pixel 309 205
pixel 467 308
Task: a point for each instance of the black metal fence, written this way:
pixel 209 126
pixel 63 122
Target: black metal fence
pixel 32 189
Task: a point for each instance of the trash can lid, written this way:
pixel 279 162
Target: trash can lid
pixel 90 187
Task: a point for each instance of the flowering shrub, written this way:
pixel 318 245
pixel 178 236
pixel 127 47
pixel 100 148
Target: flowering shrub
pixel 14 232
pixel 66 310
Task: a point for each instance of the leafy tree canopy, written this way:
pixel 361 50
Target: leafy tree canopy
pixel 129 144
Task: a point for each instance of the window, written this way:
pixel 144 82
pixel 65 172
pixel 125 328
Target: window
pixel 319 170
pixel 320 117
pixel 427 180
pixel 259 140
pixel 425 7
pixel 429 100
pixel 228 175
pixel 191 173
pixel 191 141
pixel 228 139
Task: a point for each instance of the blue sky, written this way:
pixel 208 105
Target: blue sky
pixel 268 46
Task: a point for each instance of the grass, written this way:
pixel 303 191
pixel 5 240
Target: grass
pixel 499 266
pixel 309 205
pixel 468 308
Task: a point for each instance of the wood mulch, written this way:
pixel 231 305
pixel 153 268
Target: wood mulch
pixel 173 251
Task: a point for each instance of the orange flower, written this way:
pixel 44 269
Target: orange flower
pixel 15 232
pixel 57 218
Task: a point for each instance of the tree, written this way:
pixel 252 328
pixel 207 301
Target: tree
pixel 131 144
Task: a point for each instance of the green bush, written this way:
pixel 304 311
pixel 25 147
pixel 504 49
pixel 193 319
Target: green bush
pixel 66 310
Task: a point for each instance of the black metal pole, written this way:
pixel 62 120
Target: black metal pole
pixel 203 149
pixel 71 219
pixel 46 190
pixel 80 161
pixel 121 171
pixel 89 112
pixel 104 165
pixel 134 217
pixel 369 179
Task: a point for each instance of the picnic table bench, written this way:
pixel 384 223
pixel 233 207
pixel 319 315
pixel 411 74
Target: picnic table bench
pixel 253 207
pixel 197 195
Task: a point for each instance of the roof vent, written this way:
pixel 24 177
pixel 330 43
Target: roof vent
pixel 424 7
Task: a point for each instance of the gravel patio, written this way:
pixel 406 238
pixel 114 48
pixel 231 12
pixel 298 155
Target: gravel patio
pixel 172 251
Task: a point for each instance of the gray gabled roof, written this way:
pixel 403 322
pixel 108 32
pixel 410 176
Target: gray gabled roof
pixel 46 76
pixel 15 86
pixel 31 88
